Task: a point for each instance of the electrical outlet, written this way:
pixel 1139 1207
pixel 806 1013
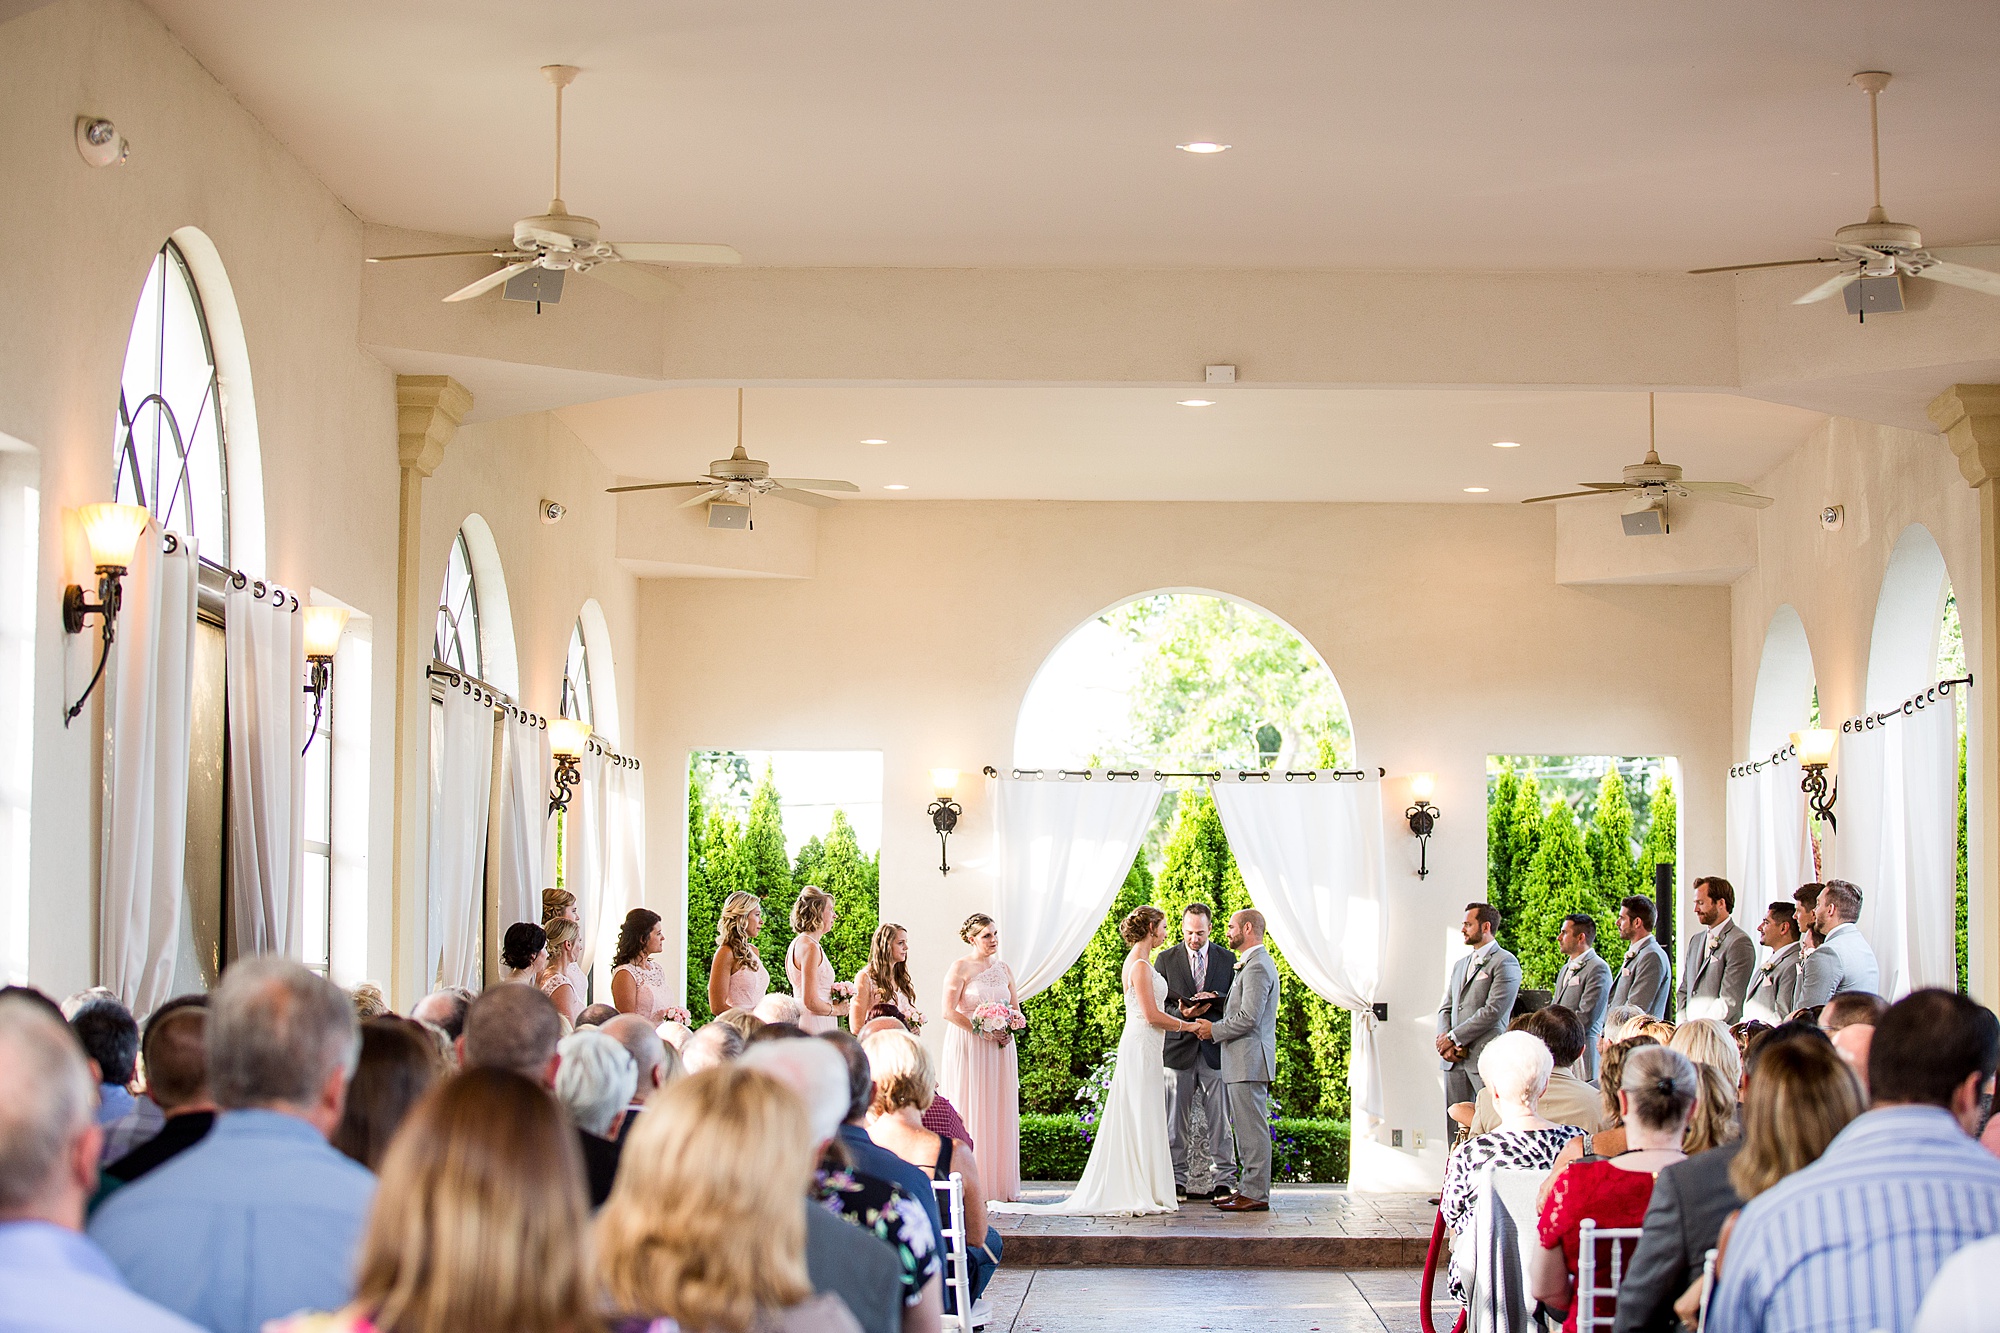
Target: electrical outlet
pixel 1395 1138
pixel 1420 1140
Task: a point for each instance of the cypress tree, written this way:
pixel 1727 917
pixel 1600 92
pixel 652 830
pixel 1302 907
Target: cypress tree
pixel 1658 847
pixel 769 871
pixel 854 881
pixel 1609 845
pixel 1560 882
pixel 1524 835
pixel 1501 791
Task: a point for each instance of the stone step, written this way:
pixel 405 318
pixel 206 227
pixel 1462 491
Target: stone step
pixel 1105 1250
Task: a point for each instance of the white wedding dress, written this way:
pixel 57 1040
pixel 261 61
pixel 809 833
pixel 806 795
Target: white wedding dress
pixel 1130 1168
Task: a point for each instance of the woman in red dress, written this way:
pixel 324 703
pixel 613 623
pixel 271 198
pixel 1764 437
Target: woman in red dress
pixel 1656 1095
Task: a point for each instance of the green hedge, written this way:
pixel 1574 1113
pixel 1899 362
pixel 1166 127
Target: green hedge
pixel 1303 1152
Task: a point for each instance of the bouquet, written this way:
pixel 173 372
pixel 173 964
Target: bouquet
pixel 913 1019
pixel 843 991
pixel 673 1013
pixel 990 1019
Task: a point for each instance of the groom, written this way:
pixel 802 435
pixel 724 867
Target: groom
pixel 1248 1033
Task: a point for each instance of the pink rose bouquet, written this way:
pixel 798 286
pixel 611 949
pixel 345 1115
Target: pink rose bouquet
pixel 673 1013
pixel 991 1019
pixel 843 990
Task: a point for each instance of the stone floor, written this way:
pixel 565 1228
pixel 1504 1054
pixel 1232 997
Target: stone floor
pixel 1317 1226
pixel 1194 1300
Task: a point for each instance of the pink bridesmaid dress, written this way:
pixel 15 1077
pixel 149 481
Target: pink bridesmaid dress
pixel 819 985
pixel 649 983
pixel 748 985
pixel 984 1082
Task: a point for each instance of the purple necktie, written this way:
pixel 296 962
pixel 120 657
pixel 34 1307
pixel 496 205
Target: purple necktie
pixel 1200 960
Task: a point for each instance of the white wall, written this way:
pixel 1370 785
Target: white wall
pixel 925 622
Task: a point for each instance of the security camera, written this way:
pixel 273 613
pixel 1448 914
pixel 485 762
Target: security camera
pixel 552 512
pixel 100 142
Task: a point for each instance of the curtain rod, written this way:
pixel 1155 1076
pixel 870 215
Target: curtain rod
pixel 237 578
pixel 1924 698
pixel 1777 756
pixel 498 699
pixel 1211 774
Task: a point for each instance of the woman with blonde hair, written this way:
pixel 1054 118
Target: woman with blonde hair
pixel 558 905
pixel 1707 1042
pixel 638 986
pixel 982 1074
pixel 1720 1066
pixel 705 1225
pixel 885 981
pixel 736 975
pixel 479 1220
pixel 805 960
pixel 562 978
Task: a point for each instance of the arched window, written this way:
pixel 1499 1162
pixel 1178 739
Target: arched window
pixel 456 642
pixel 172 445
pixel 576 700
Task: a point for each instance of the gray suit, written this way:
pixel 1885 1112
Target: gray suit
pixel 852 1264
pixel 1584 986
pixel 1845 962
pixel 1774 989
pixel 1722 972
pixel 1690 1201
pixel 1478 1002
pixel 1646 979
pixel 1248 1035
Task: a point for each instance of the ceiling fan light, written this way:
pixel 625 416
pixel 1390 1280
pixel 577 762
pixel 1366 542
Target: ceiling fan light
pixel 1506 444
pixel 1203 147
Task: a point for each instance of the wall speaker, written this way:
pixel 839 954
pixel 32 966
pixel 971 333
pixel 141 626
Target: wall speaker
pixel 735 517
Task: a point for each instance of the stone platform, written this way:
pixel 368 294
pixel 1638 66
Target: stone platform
pixel 1309 1226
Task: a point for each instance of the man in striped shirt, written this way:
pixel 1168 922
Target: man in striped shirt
pixel 1848 1244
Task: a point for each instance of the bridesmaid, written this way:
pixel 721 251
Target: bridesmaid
pixel 805 960
pixel 638 986
pixel 736 976
pixel 981 1071
pixel 886 979
pixel 562 978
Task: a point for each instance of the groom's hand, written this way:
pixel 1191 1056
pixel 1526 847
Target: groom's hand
pixel 1204 1029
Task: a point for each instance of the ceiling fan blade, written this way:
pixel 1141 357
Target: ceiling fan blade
pixel 632 279
pixel 490 281
pixel 1736 486
pixel 1606 485
pixel 1566 495
pixel 701 497
pixel 652 486
pixel 676 252
pixel 489 252
pixel 815 483
pixel 1832 286
pixel 1746 499
pixel 803 497
pixel 1960 275
pixel 1776 263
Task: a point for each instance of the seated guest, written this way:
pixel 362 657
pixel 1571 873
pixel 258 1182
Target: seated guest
pixel 1849 1008
pixel 777 1032
pixel 1747 1034
pixel 1567 1100
pixel 53 1279
pixel 747 1024
pixel 399 1064
pixel 778 1007
pixel 1516 1066
pixel 1610 1140
pixel 704 1226
pixel 479 1222
pixel 369 1002
pixel 1620 1022
pixel 1719 1066
pixel 177 1080
pixel 261 1217
pixel 656 1062
pixel 594 1083
pixel 524 952
pixel 715 1044
pixel 867 1155
pixel 444 1010
pixel 869 1205
pixel 514 1028
pixel 1896 1192
pixel 1706 1041
pixel 1656 1092
pixel 110 1037
pixel 1658 1029
pixel 940 1117
pixel 596 1015
pixel 674 1032
pixel 905 1082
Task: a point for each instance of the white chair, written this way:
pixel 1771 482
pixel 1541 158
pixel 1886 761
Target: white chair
pixel 955 1250
pixel 1494 1268
pixel 1597 1304
pixel 1707 1288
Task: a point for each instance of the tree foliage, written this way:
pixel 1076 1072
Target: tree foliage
pixel 1560 882
pixel 1658 848
pixel 768 870
pixel 1075 1022
pixel 837 865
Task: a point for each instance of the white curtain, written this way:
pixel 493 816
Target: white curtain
pixel 583 862
pixel 520 873
pixel 461 791
pixel 151 697
pixel 1064 848
pixel 1898 842
pixel 1770 848
pixel 624 860
pixel 1312 854
pixel 264 657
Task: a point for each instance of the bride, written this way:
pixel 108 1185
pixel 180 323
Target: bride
pixel 1130 1168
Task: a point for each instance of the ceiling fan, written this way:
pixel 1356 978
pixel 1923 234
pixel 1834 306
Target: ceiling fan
pixel 1878 248
pixel 559 241
pixel 740 478
pixel 1659 480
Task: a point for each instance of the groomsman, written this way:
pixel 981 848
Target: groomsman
pixel 1584 984
pixel 1774 989
pixel 1197 966
pixel 1478 1002
pixel 1715 970
pixel 1647 978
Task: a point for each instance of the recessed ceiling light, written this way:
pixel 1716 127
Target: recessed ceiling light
pixel 874 441
pixel 1476 490
pixel 1196 402
pixel 1203 146
pixel 1506 444
pixel 895 486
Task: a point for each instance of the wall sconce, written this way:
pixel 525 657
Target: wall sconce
pixel 1422 816
pixel 944 813
pixel 568 739
pixel 324 626
pixel 1815 749
pixel 113 532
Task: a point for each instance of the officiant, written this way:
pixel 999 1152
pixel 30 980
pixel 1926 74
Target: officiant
pixel 1198 974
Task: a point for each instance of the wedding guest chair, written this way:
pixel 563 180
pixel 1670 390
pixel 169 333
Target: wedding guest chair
pixel 1597 1305
pixel 956 1251
pixel 1503 1225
